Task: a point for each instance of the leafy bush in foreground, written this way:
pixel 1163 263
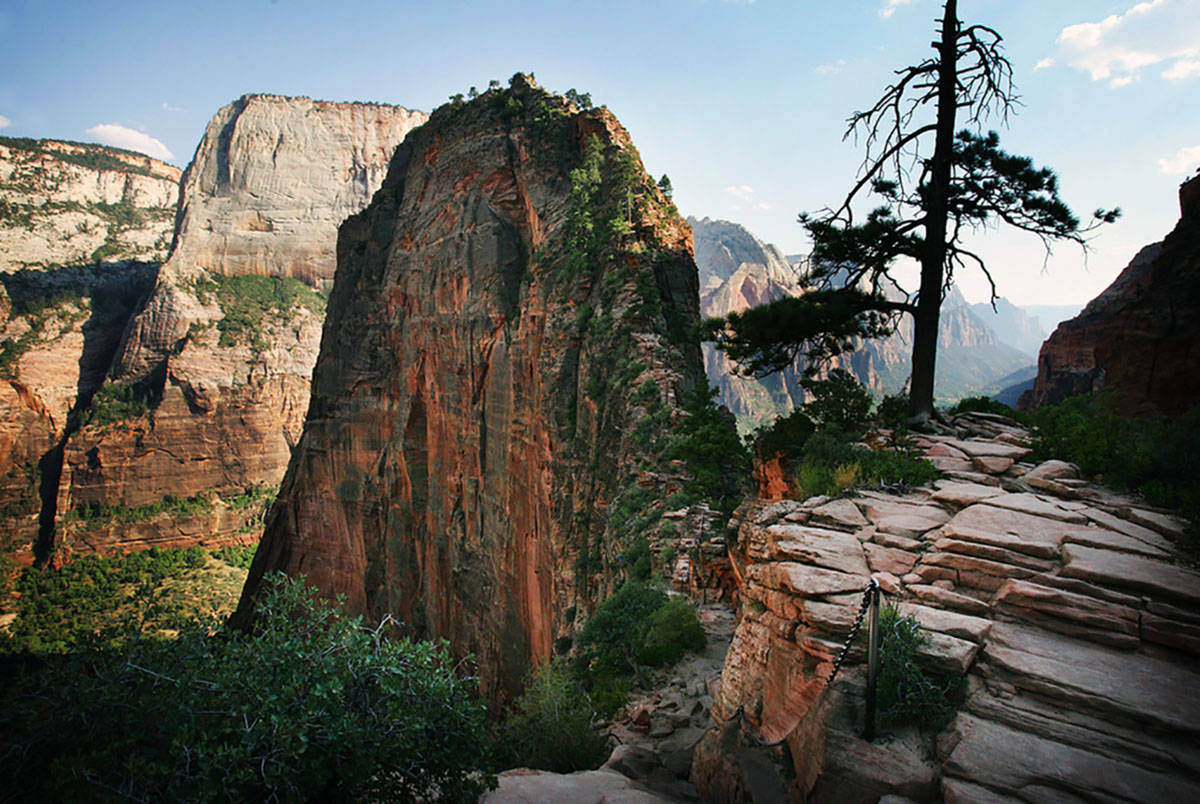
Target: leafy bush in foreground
pixel 908 694
pixel 550 726
pixel 310 705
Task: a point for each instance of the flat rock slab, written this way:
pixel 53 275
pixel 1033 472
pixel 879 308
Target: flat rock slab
pixel 1015 530
pixel 840 512
pixel 806 580
pixel 1111 540
pixel 1114 523
pixel 1087 677
pixel 1038 506
pixel 979 449
pixel 856 770
pixel 524 786
pixel 956 624
pixel 1165 524
pixel 1036 769
pixel 878 507
pixel 960 495
pixel 948 599
pixel 831 549
pixel 908 526
pixel 947 654
pixel 889 559
pixel 1070 613
pixel 1127 571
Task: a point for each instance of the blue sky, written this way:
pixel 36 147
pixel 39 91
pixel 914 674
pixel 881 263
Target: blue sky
pixel 741 103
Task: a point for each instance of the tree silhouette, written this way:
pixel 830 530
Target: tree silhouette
pixel 936 186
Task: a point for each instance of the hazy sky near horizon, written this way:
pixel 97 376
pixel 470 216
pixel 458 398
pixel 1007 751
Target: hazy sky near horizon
pixel 741 102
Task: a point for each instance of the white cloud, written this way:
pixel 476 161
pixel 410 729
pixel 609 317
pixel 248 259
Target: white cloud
pixel 1117 48
pixel 169 108
pixel 742 192
pixel 830 68
pixel 121 137
pixel 1183 162
pixel 1181 69
pixel 4 122
pixel 890 6
pixel 1044 63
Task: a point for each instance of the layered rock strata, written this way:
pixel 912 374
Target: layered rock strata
pixel 504 314
pixel 69 203
pixel 1140 338
pixel 212 380
pixel 1067 607
pixel 64 208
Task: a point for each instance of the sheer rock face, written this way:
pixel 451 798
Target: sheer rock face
pixel 67 203
pixel 472 406
pixel 1140 338
pixel 226 382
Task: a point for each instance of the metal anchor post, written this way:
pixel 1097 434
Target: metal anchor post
pixel 872 660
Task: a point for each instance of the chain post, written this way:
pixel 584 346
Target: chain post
pixel 872 661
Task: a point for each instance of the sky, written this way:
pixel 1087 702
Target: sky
pixel 742 103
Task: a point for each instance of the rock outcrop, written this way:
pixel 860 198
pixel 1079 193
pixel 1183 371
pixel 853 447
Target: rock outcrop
pixel 62 314
pixel 1140 338
pixel 738 271
pixel 515 300
pixel 211 382
pixel 1067 607
pixel 69 203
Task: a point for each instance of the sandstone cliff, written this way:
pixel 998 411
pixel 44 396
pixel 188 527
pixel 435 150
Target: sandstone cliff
pixel 1071 611
pixel 63 207
pixel 515 301
pixel 67 203
pixel 211 382
pixel 1140 338
pixel 738 271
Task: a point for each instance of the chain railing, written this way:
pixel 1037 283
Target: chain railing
pixel 869 604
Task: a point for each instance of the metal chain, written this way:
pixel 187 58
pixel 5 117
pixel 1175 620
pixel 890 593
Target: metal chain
pixel 862 612
pixel 740 714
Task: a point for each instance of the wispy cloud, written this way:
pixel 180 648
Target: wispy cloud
pixel 890 6
pixel 4 122
pixel 121 137
pixel 830 67
pixel 169 108
pixel 1119 47
pixel 747 195
pixel 1044 63
pixel 1184 161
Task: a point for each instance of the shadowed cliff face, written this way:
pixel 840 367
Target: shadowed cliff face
pixel 1140 338
pixel 513 281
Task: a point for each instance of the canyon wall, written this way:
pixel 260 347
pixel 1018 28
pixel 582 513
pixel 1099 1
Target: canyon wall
pixel 511 307
pixel 72 218
pixel 208 382
pixel 1140 338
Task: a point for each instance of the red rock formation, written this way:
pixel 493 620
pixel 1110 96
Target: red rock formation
pixel 471 412
pixel 1140 338
pixel 226 387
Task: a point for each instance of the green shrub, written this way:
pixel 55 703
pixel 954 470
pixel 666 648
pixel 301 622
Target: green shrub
pixel 237 555
pixel 906 693
pixel 838 400
pixel 1157 457
pixel 892 412
pixel 706 441
pixel 550 726
pixel 310 705
pixel 982 404
pixel 637 625
pixel 673 629
pixel 787 435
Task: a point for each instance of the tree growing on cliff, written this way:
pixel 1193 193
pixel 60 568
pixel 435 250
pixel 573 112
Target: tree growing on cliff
pixel 936 185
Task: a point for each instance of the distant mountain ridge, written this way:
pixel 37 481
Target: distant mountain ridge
pixel 737 271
